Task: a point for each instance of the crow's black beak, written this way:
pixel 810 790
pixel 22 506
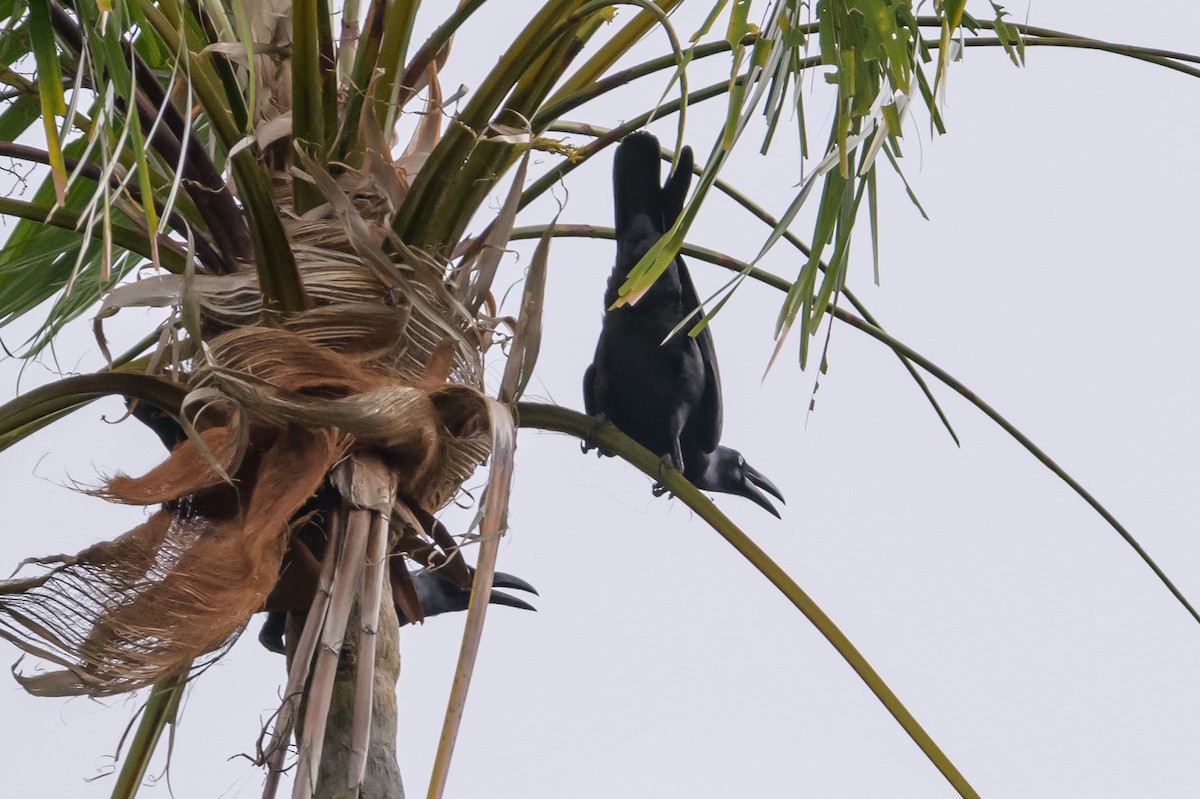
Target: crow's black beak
pixel 752 481
pixel 502 580
pixel 759 479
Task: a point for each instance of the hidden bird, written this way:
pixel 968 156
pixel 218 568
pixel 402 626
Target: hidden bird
pixel 437 594
pixel 656 384
pixel 436 590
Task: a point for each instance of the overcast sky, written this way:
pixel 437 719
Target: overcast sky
pixel 1055 278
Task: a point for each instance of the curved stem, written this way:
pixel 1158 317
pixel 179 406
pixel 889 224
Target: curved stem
pixel 1021 438
pixel 562 420
pixel 1058 38
pixel 27 412
pixel 1148 55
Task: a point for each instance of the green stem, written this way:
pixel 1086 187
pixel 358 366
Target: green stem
pixel 395 45
pixel 1162 58
pixel 1021 438
pixel 27 413
pixel 414 223
pixel 610 439
pixel 366 56
pixel 160 710
pixel 278 276
pixel 563 102
pixel 308 113
pixel 611 51
pixel 171 257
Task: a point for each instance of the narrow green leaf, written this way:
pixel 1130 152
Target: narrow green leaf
pixel 873 208
pixel 50 89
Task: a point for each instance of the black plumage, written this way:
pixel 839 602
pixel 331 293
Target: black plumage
pixel 650 386
pixel 663 391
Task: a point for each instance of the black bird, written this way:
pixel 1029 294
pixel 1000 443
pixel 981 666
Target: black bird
pixel 646 385
pixel 436 593
pixel 666 395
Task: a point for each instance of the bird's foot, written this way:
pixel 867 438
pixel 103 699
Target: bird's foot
pixel 588 443
pixel 664 463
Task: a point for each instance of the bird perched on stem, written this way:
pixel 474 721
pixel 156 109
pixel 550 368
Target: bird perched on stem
pixel 659 386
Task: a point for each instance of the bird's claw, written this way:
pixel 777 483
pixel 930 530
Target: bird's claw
pixel 664 463
pixel 587 445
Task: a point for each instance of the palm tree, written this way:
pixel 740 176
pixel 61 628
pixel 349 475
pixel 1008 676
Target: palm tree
pixel 330 314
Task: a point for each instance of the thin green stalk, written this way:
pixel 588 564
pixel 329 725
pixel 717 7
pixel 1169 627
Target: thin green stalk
pixel 1021 438
pixel 489 160
pixel 402 85
pixel 160 710
pixel 27 413
pixel 1162 58
pixel 328 70
pixel 562 103
pixel 610 52
pixel 610 439
pixel 171 257
pixel 1056 38
pixel 366 56
pixel 308 116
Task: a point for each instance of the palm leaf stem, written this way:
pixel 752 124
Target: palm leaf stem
pixel 610 439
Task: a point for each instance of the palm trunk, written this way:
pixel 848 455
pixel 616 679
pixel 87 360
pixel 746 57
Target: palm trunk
pixel 383 772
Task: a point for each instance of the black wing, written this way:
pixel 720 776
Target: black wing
pixel 709 412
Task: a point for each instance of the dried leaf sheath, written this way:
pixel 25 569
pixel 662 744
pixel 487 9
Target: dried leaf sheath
pixel 125 613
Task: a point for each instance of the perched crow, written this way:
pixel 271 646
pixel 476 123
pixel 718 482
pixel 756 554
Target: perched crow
pixel 666 395
pixel 437 595
pixel 649 388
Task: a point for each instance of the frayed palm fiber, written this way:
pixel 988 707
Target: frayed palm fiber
pixel 177 590
pixel 123 614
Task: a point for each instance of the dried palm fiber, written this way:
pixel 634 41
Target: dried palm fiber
pixel 123 614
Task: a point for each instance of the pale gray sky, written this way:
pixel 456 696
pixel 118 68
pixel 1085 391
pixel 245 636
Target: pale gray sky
pixel 1055 278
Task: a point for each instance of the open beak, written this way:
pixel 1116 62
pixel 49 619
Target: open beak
pixel 502 580
pixel 755 480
